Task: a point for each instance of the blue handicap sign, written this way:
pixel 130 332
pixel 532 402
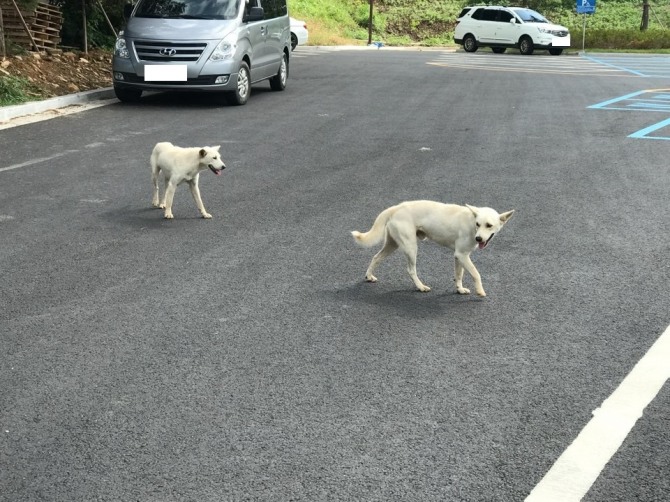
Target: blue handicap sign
pixel 586 6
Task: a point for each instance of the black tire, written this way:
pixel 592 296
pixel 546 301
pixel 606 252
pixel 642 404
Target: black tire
pixel 498 50
pixel 294 41
pixel 470 43
pixel 278 82
pixel 555 52
pixel 242 91
pixel 127 94
pixel 526 46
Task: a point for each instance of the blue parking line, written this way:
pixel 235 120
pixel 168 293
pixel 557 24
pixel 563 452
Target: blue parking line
pixel 622 68
pixel 644 133
pixel 616 100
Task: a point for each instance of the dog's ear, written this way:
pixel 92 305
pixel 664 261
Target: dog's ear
pixel 506 216
pixel 472 208
pixel 203 153
pixel 216 147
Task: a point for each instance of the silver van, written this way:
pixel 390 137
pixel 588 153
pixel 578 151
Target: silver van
pixel 219 46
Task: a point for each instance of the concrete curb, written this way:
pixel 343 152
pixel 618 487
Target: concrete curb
pixel 14 111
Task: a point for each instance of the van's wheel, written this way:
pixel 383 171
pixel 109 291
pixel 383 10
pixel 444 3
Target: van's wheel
pixel 127 95
pixel 498 50
pixel 469 43
pixel 555 52
pixel 526 46
pixel 294 41
pixel 278 82
pixel 240 95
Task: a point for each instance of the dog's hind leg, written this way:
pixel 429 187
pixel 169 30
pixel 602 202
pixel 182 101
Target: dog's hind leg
pixel 405 237
pixel 466 262
pixel 389 247
pixel 167 200
pixel 458 277
pixel 155 172
pixel 195 192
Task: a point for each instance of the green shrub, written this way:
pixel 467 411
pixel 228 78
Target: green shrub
pixel 16 90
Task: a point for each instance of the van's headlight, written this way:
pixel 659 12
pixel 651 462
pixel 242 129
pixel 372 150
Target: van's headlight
pixel 120 49
pixel 225 49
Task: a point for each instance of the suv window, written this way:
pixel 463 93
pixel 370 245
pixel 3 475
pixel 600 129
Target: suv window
pixel 504 16
pixel 464 12
pixel 490 15
pixel 274 8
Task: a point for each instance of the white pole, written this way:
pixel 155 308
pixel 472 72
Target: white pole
pixel 584 33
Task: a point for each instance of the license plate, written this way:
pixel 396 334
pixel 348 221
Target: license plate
pixel 560 41
pixel 165 73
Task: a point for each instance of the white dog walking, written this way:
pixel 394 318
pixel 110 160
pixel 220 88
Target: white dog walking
pixel 179 165
pixel 461 228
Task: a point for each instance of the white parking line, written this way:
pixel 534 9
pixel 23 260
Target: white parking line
pixel 575 471
pixel 36 161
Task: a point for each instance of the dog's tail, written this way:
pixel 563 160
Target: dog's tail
pixel 377 232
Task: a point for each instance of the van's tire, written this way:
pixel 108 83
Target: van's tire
pixel 127 94
pixel 555 52
pixel 242 91
pixel 526 46
pixel 278 82
pixel 498 50
pixel 469 43
pixel 294 41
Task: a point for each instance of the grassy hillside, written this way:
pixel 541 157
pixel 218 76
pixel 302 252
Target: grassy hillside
pixel 427 22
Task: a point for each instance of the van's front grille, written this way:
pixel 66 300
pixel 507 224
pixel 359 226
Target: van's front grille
pixel 201 80
pixel 168 51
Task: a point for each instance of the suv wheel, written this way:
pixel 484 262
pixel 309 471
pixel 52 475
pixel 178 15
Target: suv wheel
pixel 278 82
pixel 469 43
pixel 498 50
pixel 240 95
pixel 555 52
pixel 526 46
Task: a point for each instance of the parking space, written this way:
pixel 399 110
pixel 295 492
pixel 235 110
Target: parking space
pixel 652 100
pixel 640 65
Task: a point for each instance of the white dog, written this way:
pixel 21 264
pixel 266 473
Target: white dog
pixel 179 165
pixel 461 228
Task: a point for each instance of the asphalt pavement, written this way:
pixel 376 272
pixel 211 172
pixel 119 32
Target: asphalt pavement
pixel 245 357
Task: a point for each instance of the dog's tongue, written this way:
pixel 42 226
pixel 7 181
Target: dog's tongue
pixel 218 173
pixel 482 245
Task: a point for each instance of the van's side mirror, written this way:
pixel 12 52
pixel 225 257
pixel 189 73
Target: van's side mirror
pixel 513 20
pixel 255 14
pixel 127 10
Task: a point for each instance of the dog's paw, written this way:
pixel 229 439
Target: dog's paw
pixel 463 291
pixel 424 289
pixel 481 293
pixel 162 206
pixel 370 278
pixel 155 204
pixel 168 216
pixel 207 216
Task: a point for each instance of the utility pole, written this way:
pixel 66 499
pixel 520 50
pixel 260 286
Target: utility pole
pixel 645 15
pixel 370 24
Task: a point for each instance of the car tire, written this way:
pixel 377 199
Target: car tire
pixel 555 52
pixel 498 50
pixel 294 41
pixel 526 46
pixel 278 82
pixel 127 94
pixel 242 91
pixel 469 43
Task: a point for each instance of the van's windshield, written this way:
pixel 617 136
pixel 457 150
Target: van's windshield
pixel 188 9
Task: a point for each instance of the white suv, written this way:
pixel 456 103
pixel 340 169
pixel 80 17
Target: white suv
pixel 502 27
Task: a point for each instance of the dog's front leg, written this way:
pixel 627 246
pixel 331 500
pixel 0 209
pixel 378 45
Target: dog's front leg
pixel 458 277
pixel 167 201
pixel 195 192
pixel 466 262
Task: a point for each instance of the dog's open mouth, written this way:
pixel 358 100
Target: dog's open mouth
pixel 485 243
pixel 215 170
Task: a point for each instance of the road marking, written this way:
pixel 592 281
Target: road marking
pixel 645 134
pixel 36 161
pixel 575 471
